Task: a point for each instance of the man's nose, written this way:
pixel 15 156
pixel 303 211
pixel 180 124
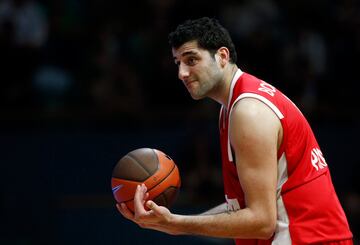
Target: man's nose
pixel 183 72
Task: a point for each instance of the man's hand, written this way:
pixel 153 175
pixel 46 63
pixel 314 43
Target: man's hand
pixel 154 217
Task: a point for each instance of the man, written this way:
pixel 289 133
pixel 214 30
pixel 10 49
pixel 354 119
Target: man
pixel 277 183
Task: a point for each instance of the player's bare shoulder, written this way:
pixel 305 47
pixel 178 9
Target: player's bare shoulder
pixel 250 116
pixel 252 110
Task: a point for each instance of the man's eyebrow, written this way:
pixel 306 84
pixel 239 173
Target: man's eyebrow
pixel 186 53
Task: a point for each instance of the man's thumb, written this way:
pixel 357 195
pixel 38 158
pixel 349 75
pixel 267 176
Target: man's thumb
pixel 153 206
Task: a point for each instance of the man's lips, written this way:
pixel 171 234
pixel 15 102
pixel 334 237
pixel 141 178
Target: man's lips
pixel 187 83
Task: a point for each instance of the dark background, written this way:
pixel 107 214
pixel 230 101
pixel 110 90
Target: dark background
pixel 83 82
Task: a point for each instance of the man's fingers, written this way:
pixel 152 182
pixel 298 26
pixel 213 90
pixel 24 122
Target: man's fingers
pixel 139 200
pixel 154 207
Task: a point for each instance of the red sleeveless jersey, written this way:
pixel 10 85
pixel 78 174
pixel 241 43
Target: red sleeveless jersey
pixel 308 209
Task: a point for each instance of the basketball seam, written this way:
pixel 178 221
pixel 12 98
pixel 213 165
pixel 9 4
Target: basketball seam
pixel 166 201
pixel 163 178
pixel 156 185
pixel 157 158
pixel 138 163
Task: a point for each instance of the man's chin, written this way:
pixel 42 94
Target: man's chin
pixel 196 97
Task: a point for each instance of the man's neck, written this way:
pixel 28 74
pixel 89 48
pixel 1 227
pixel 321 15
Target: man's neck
pixel 223 92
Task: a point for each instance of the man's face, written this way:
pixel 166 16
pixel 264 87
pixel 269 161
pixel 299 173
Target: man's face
pixel 198 69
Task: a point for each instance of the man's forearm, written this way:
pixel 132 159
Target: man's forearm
pixel 239 224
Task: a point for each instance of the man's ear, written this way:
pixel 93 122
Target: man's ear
pixel 223 56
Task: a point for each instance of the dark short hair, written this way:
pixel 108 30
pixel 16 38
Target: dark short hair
pixel 209 34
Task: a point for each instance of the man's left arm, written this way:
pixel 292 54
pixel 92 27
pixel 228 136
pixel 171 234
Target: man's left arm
pixel 254 131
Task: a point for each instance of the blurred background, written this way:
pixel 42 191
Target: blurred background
pixel 83 82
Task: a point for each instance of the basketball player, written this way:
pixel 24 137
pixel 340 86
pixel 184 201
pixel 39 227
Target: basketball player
pixel 278 188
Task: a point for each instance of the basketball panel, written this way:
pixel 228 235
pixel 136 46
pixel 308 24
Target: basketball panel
pixel 170 194
pixel 147 158
pixel 123 190
pixel 166 166
pixel 161 200
pixel 129 168
pixel 172 179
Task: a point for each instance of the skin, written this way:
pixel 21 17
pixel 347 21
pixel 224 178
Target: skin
pixel 255 134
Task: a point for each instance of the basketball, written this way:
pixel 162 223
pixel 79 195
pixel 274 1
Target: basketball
pixel 149 166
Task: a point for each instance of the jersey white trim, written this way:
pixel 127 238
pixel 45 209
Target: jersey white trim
pixel 262 99
pixel 282 232
pixel 236 77
pixel 221 122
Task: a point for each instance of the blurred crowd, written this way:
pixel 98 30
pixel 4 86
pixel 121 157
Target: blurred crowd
pixel 89 59
pixel 96 60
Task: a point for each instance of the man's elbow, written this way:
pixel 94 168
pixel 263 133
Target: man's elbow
pixel 267 229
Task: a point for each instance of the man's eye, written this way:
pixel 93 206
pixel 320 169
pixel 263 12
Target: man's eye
pixel 191 61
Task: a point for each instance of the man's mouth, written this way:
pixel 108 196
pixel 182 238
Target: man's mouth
pixel 187 83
